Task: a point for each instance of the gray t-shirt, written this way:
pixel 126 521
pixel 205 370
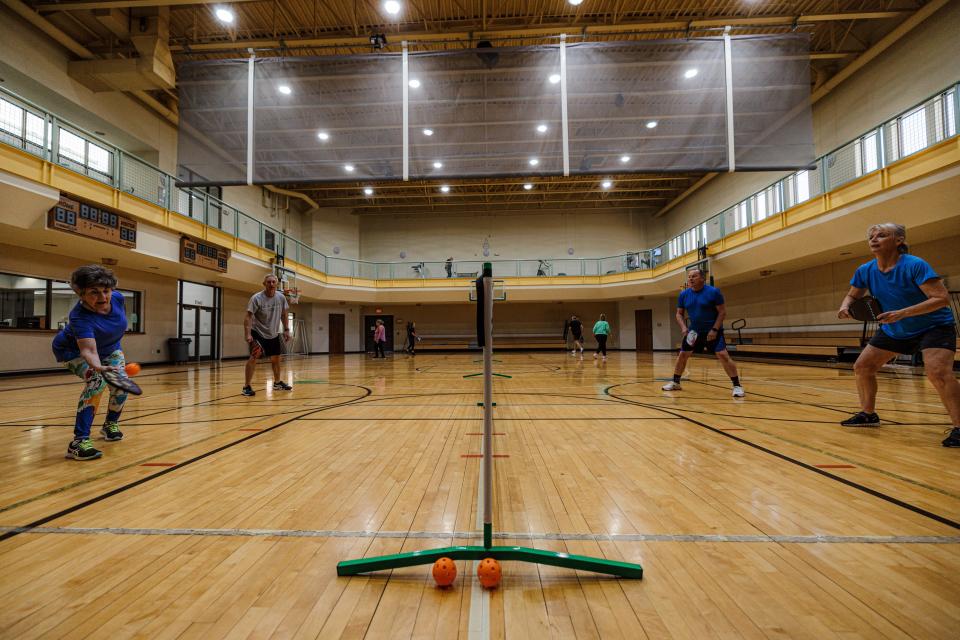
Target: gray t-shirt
pixel 267 313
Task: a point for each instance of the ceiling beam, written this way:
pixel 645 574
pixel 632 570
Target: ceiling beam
pixel 539 31
pixel 126 4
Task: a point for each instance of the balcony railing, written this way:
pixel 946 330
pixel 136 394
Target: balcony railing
pixel 31 128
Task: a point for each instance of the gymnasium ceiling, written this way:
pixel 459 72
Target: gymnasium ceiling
pixel 842 32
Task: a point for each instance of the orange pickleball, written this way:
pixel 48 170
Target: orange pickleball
pixel 444 572
pixel 489 573
pixel 132 369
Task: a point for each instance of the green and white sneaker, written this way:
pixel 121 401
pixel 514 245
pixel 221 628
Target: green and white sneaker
pixel 83 450
pixel 111 431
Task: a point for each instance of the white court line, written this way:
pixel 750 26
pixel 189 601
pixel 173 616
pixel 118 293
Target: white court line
pixel 478 623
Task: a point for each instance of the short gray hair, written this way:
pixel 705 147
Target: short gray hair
pixel 899 231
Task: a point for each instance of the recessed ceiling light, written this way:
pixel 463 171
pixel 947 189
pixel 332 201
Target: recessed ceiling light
pixel 652 124
pixel 624 159
pixel 348 168
pixel 428 132
pixel 445 189
pixel 690 73
pixel 414 83
pixel 534 162
pixel 392 7
pixel 438 165
pixel 606 184
pixel 542 128
pixel 323 135
pixel 368 191
pixel 528 186
pixel 284 89
pixel 554 78
pixel 575 3
pixel 224 15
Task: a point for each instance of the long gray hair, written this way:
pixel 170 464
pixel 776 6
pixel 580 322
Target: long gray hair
pixel 899 231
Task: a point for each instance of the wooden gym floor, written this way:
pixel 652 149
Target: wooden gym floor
pixel 223 516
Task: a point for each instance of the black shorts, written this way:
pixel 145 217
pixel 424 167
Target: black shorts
pixel 271 346
pixel 942 337
pixel 578 337
pixel 702 346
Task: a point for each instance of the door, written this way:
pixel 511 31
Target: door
pixel 643 320
pixel 196 323
pixel 335 323
pixel 369 322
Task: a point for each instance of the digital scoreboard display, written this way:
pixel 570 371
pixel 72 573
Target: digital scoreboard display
pixel 83 219
pixel 202 254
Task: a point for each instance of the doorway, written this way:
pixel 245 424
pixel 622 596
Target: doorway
pixel 199 319
pixel 643 321
pixel 336 324
pixel 369 322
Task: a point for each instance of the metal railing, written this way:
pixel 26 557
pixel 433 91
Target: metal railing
pixel 31 128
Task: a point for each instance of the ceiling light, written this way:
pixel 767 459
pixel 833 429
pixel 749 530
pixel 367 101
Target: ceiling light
pixel 368 191
pixel 224 15
pixel 284 89
pixel 445 189
pixel 437 165
pixel 414 83
pixel 554 78
pixel 323 135
pixel 348 168
pixel 428 132
pixel 575 3
pixel 392 7
pixel 528 186
pixel 542 128
pixel 690 73
pixel 624 159
pixel 606 184
pixel 534 162
pixel 652 124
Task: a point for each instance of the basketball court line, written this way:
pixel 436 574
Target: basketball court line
pixel 503 535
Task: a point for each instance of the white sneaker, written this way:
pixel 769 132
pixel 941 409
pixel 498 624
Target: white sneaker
pixel 671 386
pixel 738 392
pixel 574 352
pixel 594 356
pixel 604 358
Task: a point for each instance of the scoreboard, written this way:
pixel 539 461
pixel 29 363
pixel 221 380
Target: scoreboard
pixel 90 221
pixel 202 254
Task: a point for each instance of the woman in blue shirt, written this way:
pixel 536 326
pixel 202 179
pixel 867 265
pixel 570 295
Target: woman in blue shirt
pixel 88 345
pixel 917 317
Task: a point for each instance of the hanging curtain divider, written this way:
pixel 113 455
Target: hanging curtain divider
pixel 563 104
pixel 250 75
pixel 728 79
pixel 406 114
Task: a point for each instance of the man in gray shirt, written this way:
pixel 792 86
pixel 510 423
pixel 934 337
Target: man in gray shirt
pixel 266 315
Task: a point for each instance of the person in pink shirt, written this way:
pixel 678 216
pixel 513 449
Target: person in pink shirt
pixel 379 339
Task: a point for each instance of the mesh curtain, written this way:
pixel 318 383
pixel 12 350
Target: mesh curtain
pixel 648 106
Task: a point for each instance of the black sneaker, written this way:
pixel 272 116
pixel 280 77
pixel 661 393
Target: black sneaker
pixel 280 385
pixel 248 391
pixel 111 431
pixel 82 450
pixel 953 440
pixel 862 419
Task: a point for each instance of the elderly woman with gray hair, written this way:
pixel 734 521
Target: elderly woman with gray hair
pixel 916 317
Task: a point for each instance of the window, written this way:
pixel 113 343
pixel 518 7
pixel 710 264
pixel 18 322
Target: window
pixel 913 131
pixel 38 303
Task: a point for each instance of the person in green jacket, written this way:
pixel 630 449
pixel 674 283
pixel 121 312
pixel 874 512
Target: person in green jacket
pixel 600 331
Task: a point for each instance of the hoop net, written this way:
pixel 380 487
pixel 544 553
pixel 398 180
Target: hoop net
pixel 292 295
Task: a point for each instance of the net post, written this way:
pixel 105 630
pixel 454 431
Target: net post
pixel 488 405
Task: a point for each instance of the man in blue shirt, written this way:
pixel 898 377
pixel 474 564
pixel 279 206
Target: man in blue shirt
pixel 706 309
pixel 88 345
pixel 916 317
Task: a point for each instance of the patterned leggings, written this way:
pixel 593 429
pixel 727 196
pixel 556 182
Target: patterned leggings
pixel 93 388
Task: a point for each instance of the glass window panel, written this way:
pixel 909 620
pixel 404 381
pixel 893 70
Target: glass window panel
pixel 11 118
pixel 72 146
pixel 198 294
pixel 913 129
pixel 34 129
pixel 99 159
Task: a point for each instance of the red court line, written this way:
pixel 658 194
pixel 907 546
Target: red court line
pixel 480 455
pixel 834 466
pixel 159 464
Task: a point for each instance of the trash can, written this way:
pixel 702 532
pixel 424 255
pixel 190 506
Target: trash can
pixel 179 349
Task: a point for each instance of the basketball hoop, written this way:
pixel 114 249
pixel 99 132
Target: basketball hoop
pixel 292 295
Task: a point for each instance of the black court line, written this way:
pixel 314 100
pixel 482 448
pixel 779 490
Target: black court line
pixel 74 379
pixel 804 465
pixel 158 474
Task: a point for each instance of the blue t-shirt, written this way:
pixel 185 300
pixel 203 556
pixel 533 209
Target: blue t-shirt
pixel 106 329
pixel 701 307
pixel 899 288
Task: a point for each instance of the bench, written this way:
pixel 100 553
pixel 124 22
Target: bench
pixel 502 342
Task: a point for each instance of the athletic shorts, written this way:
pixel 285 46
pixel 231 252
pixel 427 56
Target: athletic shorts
pixel 702 346
pixel 271 346
pixel 942 337
pixel 578 336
